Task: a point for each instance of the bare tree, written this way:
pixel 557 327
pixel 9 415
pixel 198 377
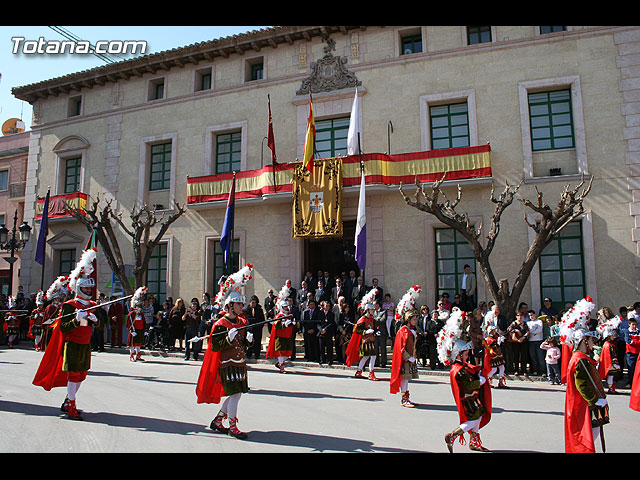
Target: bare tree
pixel 551 221
pixel 143 219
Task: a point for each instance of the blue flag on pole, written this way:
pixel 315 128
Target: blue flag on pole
pixel 44 231
pixel 226 240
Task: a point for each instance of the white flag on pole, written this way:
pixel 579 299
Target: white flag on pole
pixel 355 129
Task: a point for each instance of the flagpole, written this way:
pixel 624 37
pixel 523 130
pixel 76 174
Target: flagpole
pixel 361 174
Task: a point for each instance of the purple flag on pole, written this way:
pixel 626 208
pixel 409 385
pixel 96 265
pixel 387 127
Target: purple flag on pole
pixel 44 231
pixel 361 229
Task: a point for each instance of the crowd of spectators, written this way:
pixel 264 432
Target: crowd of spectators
pixel 326 308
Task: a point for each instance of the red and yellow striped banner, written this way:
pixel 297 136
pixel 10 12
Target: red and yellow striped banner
pixel 379 168
pixel 77 200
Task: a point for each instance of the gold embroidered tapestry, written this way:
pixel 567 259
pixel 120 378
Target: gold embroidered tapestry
pixel 317 199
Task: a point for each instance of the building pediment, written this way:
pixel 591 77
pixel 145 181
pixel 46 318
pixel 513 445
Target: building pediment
pixel 65 238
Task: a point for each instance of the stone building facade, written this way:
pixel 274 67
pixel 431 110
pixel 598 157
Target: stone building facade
pixel 154 129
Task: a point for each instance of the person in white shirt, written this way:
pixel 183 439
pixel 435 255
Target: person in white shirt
pixel 536 337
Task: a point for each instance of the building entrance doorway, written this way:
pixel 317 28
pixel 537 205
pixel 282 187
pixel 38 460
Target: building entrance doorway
pixel 335 255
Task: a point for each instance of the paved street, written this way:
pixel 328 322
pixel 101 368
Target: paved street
pixel 151 407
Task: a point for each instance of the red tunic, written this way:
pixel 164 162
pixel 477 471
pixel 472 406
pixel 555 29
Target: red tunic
pixel 285 332
pixel 135 322
pixel 485 392
pixel 578 433
pixel 209 388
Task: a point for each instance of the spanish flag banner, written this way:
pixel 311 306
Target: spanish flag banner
pixel 379 168
pixel 317 199
pixel 309 139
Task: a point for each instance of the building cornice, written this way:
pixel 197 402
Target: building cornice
pixel 180 57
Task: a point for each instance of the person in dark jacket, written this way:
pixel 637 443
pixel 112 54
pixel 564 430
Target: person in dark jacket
pixel 254 314
pixel 326 328
pixel 310 320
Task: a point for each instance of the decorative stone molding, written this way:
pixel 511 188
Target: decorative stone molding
pixel 328 74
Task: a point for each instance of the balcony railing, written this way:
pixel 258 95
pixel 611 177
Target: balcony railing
pixel 459 163
pixel 16 190
pixel 57 202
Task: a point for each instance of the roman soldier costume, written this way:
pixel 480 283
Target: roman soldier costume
pixel 136 324
pixel 404 366
pixel 68 358
pixel 53 295
pixel 12 321
pixel 493 357
pixel 35 321
pixel 224 370
pixel 586 408
pixel 608 365
pixel 280 340
pixel 362 345
pixel 470 389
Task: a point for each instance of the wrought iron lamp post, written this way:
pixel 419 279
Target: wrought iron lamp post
pixel 11 243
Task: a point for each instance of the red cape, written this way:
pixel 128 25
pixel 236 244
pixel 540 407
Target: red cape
pixel 50 373
pixel 604 364
pixel 396 359
pixel 578 434
pixel 351 351
pixel 209 388
pixel 564 362
pixel 283 332
pixel 634 402
pixel 485 391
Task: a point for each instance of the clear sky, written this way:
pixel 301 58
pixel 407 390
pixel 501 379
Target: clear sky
pixel 18 69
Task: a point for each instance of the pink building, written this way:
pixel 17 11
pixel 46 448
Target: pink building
pixel 14 150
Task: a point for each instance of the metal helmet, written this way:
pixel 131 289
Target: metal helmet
pixel 235 297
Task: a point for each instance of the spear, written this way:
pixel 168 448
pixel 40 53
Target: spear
pixel 197 338
pixel 98 305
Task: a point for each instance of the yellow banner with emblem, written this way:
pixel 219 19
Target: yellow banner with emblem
pixel 317 199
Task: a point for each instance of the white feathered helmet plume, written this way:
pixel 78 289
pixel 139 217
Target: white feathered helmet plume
pixel 40 298
pixel 367 301
pixel 283 298
pixel 79 277
pixel 55 290
pixel 573 326
pixel 408 301
pixel 608 326
pixel 11 302
pixel 452 339
pixel 137 300
pixel 230 289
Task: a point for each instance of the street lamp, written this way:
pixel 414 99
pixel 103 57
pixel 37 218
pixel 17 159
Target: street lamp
pixel 12 243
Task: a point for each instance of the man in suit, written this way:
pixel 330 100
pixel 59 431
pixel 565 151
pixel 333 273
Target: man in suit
pixel 310 320
pixel 329 282
pixel 301 296
pixel 382 334
pixel 292 292
pixel 349 283
pixel 468 288
pixel 337 291
pixel 358 291
pixel 322 293
pixel 380 294
pixel 326 330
